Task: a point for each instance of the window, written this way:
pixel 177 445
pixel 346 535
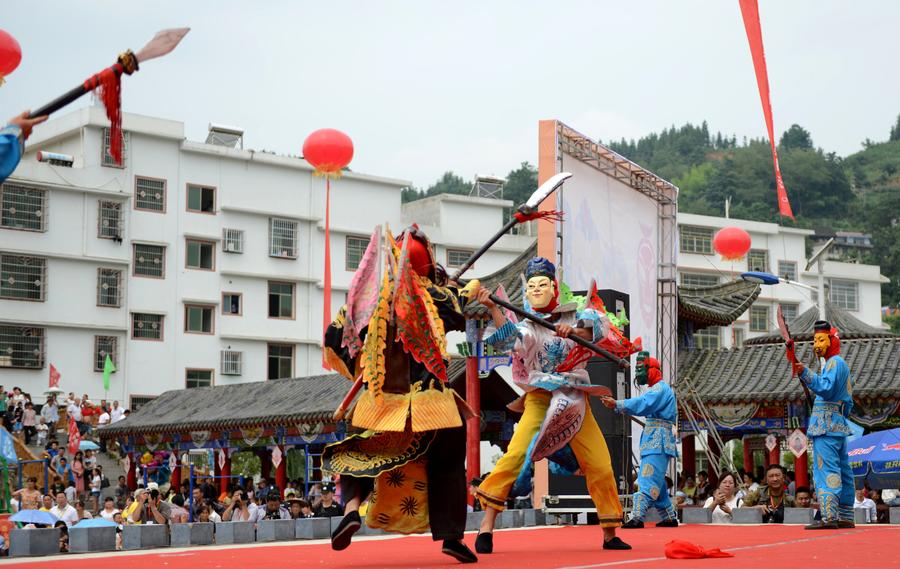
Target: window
pixel 138 401
pixel 844 294
pixel 738 337
pixel 233 240
pixel 105 346
pixel 109 220
pixel 281 361
pixel 23 208
pixel 688 279
pixel 106 157
pixel 23 278
pixel 109 287
pixel 21 347
pixel 787 270
pixel 201 254
pixel 708 338
pixel 201 199
pixel 356 248
pixel 282 238
pixel 149 194
pixel 758 260
pixel 759 318
pixel 231 303
pixel 231 362
pixel 149 260
pixel 198 378
pixel 281 300
pixel 695 239
pixel 146 326
pixel 457 257
pixel 198 319
pixel 790 312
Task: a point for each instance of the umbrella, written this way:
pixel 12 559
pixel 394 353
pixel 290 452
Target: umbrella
pixel 95 523
pixel 88 445
pixel 875 458
pixel 34 517
pixel 54 391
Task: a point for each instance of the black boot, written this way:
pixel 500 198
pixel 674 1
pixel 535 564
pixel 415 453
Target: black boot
pixel 458 550
pixel 484 543
pixel 341 536
pixel 633 523
pixel 615 543
pixel 822 525
pixel 846 524
pixel 672 523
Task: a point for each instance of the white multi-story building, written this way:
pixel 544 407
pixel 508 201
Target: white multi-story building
pixel 192 263
pixel 781 251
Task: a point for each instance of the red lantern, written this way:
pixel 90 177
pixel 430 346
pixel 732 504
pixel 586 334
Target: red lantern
pixel 329 151
pixel 10 54
pixel 732 243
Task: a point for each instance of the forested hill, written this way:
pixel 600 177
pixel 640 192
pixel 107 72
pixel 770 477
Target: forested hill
pixel 859 192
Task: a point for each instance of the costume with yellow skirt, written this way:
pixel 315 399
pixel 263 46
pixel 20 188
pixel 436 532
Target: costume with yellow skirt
pixel 410 456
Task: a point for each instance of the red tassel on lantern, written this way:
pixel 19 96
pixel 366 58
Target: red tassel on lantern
pixel 108 88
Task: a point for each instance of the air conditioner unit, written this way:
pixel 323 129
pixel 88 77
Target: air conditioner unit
pixel 232 247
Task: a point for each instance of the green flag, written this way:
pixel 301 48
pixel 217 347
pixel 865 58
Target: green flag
pixel 108 368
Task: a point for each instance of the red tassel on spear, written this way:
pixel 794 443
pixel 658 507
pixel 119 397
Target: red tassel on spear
pixel 107 84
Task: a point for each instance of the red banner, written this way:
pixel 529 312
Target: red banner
pixel 750 13
pixel 74 437
pixel 54 376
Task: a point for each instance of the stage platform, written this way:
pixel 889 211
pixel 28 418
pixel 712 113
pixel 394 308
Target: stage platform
pixel 566 547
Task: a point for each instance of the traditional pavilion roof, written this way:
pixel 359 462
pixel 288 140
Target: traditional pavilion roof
pixel 849 327
pixel 258 403
pixel 510 277
pixel 717 305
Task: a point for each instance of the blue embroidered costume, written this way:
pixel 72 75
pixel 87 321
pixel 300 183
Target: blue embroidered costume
pixel 12 145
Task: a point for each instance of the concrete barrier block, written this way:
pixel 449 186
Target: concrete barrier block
pixel 859 516
pixel 88 540
pixel 652 515
pixel 366 530
pixel 696 516
pixel 145 536
pixel 235 532
pixel 532 517
pixel 33 542
pixel 473 520
pixel 895 515
pixel 335 522
pixel 510 519
pixel 275 530
pixel 803 516
pixel 312 528
pixel 199 533
pixel 746 516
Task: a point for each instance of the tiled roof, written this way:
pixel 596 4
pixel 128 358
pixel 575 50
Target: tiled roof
pixel 717 305
pixel 849 327
pixel 761 372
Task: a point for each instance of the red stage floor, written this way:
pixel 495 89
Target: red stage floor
pixel 757 547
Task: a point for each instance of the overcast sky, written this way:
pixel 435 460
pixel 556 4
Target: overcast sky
pixel 423 87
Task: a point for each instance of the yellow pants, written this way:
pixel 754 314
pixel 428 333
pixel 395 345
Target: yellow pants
pixel 590 450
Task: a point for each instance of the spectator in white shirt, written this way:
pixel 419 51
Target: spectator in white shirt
pixel 864 503
pixel 117 413
pixel 109 509
pixel 724 500
pixel 63 510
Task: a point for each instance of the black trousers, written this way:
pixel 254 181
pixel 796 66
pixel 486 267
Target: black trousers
pixel 446 470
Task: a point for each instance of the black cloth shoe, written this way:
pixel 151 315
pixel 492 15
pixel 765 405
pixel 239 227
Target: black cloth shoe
pixel 459 551
pixel 822 525
pixel 341 536
pixel 484 543
pixel 846 524
pixel 633 523
pixel 673 523
pixel 615 543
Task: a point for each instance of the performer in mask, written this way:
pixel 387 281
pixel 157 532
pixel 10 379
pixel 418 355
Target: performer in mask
pixel 411 457
pixel 657 441
pixel 828 429
pixel 538 356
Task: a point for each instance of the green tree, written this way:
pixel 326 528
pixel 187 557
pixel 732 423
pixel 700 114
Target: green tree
pixel 895 130
pixel 796 138
pixel 410 194
pixel 520 184
pixel 449 183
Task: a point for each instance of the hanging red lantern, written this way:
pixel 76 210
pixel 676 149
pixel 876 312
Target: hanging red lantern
pixel 10 54
pixel 329 151
pixel 732 243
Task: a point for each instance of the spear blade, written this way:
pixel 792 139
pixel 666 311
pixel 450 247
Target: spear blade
pixel 162 43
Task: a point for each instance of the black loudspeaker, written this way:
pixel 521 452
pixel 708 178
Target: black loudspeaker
pixel 616 428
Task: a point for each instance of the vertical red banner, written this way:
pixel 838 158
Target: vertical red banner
pixel 750 13
pixel 326 293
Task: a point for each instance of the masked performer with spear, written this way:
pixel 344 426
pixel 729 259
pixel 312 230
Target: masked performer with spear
pixel 657 441
pixel 551 369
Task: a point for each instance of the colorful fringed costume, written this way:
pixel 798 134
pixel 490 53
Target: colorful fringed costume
pixel 411 455
pixel 12 145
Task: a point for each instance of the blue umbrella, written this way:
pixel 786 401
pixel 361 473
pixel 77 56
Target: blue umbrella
pixel 95 523
pixel 88 445
pixel 34 517
pixel 876 458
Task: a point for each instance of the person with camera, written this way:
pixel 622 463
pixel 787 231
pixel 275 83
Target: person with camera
pixel 771 498
pixel 151 508
pixel 724 499
pixel 273 510
pixel 238 510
